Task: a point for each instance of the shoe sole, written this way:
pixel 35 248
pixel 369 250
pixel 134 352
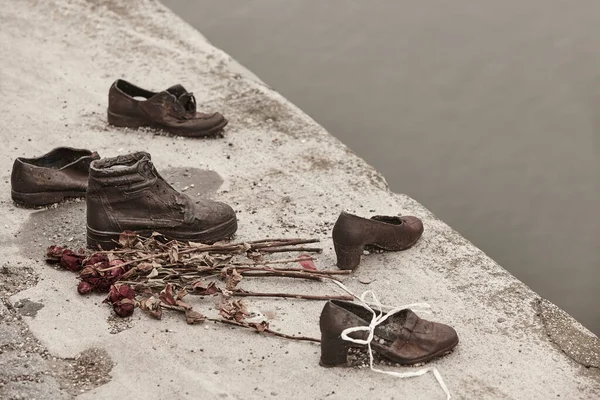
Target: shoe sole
pixel 384 352
pixel 110 240
pixel 123 121
pixel 40 199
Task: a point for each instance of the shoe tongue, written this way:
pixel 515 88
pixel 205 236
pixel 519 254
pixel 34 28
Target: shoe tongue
pixel 393 326
pixel 185 98
pixel 177 90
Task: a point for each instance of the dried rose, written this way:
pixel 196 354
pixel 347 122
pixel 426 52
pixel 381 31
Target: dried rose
pixel 84 288
pixel 124 308
pixel 71 261
pixel 54 253
pixel 118 293
pixel 101 281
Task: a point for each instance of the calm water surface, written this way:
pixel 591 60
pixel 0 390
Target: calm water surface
pixel 485 111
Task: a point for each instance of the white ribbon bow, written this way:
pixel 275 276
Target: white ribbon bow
pixel 379 319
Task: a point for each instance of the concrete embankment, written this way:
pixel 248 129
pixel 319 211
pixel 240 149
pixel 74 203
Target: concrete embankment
pixel 286 177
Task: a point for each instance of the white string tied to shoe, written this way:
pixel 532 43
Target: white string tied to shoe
pixel 379 319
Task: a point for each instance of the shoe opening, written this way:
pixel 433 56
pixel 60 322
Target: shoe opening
pixel 387 219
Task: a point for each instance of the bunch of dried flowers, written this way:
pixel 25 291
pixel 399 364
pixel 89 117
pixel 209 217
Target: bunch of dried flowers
pixel 154 273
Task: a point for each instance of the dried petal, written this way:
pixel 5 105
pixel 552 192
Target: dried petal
pixel 97 258
pixel 71 261
pixel 181 294
pixel 89 273
pixel 307 264
pixel 151 305
pixel 194 317
pixel 120 292
pixel 180 303
pixel 128 239
pixel 145 267
pixel 127 292
pixel 166 295
pixel 173 255
pixel 54 253
pixel 233 279
pixel 201 288
pixel 233 310
pixel 259 326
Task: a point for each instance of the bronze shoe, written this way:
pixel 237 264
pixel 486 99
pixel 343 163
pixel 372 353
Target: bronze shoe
pixel 403 338
pixel 352 233
pixel 126 193
pixel 58 175
pixel 172 110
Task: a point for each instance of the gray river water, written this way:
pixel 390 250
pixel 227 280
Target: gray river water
pixel 485 111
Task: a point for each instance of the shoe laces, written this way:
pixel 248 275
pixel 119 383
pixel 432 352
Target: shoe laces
pixel 188 101
pixel 377 319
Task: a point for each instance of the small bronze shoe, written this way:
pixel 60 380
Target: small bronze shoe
pixel 58 175
pixel 403 338
pixel 352 233
pixel 172 110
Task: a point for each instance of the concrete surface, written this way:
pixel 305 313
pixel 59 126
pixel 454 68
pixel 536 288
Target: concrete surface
pixel 286 177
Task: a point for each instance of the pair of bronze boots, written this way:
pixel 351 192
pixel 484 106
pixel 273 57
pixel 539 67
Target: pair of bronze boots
pixel 123 193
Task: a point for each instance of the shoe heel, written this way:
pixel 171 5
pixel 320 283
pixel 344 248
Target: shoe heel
pixel 124 121
pixel 348 257
pixel 101 240
pixel 334 351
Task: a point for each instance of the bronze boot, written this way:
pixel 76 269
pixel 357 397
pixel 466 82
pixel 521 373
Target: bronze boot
pixel 352 233
pixel 403 338
pixel 53 177
pixel 126 193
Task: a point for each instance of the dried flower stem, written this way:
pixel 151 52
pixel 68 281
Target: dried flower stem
pixel 243 325
pixel 272 332
pixel 243 293
pixel 289 249
pixel 262 244
pixel 282 261
pixel 283 274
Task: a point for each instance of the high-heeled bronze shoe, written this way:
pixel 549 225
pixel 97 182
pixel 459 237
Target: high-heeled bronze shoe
pixel 352 233
pixel 403 338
